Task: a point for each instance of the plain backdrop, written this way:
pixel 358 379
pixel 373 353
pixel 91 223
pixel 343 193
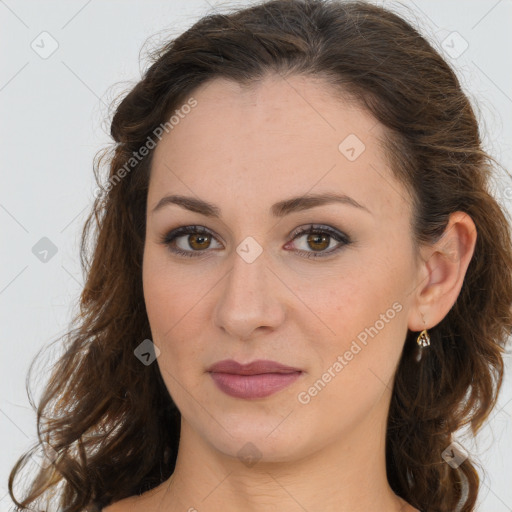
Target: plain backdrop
pixel 63 62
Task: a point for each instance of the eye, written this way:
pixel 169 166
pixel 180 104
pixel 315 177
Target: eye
pixel 319 238
pixel 199 239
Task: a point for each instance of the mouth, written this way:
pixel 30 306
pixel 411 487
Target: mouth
pixel 257 379
pixel 258 366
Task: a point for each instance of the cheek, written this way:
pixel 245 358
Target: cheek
pixel 169 290
pixel 171 313
pixel 170 301
pixel 160 294
pixel 361 313
pixel 358 361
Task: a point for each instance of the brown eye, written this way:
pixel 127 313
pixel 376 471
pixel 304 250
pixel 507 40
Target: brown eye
pixel 317 241
pixel 199 241
pixel 196 239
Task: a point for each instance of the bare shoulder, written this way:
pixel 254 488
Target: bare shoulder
pixel 146 502
pixel 124 505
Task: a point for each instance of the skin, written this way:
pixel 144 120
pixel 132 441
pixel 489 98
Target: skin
pixel 244 150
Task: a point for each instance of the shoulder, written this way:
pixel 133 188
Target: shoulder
pixel 124 505
pixel 146 502
pixel 136 503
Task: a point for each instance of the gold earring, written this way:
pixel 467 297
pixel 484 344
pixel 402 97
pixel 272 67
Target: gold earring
pixel 423 339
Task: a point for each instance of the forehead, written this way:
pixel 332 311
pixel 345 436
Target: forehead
pixel 278 137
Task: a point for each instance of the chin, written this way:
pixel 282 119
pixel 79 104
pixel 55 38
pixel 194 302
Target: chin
pixel 254 442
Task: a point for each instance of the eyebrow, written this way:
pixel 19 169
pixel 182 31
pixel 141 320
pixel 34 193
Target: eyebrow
pixel 279 209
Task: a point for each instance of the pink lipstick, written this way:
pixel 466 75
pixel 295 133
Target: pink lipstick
pixel 257 379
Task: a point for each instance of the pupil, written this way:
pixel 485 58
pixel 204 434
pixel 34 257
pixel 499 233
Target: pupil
pixel 200 239
pixel 317 239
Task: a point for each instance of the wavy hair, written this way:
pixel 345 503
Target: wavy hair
pixel 111 424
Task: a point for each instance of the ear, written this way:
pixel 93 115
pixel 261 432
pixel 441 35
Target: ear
pixel 441 272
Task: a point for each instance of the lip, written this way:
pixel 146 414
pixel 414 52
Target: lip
pixel 257 366
pixel 257 379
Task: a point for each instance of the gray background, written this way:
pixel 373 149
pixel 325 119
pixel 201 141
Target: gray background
pixel 53 113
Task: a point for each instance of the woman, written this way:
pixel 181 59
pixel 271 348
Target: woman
pixel 300 285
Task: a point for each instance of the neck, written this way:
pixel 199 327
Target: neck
pixel 347 475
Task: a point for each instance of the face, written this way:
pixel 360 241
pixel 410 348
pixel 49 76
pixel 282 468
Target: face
pixel 255 283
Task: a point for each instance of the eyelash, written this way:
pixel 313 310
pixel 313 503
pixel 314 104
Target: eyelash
pixel 168 238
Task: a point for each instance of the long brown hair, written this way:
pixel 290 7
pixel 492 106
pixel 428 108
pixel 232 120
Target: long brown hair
pixel 110 420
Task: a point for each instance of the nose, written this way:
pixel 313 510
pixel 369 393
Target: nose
pixel 252 299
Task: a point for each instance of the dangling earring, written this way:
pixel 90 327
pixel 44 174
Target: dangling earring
pixel 423 341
